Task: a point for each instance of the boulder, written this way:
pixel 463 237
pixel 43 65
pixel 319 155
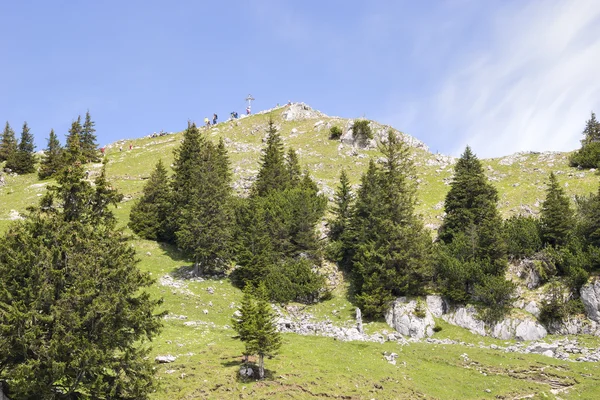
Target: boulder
pixel 590 296
pixel 466 317
pixel 246 371
pixel 165 359
pixel 437 305
pixel 401 316
pixel 529 330
pixel 532 308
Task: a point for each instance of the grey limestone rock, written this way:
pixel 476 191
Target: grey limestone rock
pixel 466 317
pixel 590 295
pixel 401 316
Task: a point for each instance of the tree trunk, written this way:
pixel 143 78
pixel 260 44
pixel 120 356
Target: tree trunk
pixel 261 366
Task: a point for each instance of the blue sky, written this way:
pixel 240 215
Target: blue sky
pixel 502 76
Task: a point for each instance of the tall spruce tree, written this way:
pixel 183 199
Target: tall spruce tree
pixel 22 161
pixel 588 156
pixel 202 194
pixel 292 166
pixel 243 322
pixel 74 313
pixel 150 214
pixel 52 158
pixel 343 201
pixel 89 147
pixel 73 152
pixel 273 173
pixel 556 216
pixel 265 339
pixel 390 248
pixel 8 143
pixel 471 244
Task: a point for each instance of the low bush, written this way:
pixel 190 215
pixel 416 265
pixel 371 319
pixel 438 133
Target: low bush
pixel 335 132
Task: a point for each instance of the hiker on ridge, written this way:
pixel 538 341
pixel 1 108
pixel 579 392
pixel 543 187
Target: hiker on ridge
pixel 214 119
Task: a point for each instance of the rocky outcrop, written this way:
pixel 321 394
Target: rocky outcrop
pixel 590 296
pixel 437 305
pixel 300 111
pixel 574 326
pixel 466 317
pixel 403 316
pixel 519 329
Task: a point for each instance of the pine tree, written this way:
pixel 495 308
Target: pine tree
pixel 75 315
pixel 341 210
pixel 8 143
pixel 73 152
pixel 244 320
pixel 556 216
pixel 22 161
pixel 471 243
pixel 272 173
pixel 589 154
pixel 265 339
pixel 292 166
pixel 150 214
pixel 89 147
pixel 591 132
pixel 252 243
pixel 202 194
pixel 52 158
pixel 389 248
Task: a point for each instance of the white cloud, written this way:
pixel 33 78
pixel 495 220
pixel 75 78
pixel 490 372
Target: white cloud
pixel 533 87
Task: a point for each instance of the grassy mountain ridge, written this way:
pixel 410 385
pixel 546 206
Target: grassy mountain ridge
pixel 197 330
pixel 520 178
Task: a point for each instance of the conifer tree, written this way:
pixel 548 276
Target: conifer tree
pixel 588 156
pixel 343 200
pixel 202 194
pixel 272 173
pixel 8 143
pixel 244 320
pixel 265 339
pixel 89 147
pixel 73 152
pixel 52 158
pixel 390 250
pixel 74 313
pixel 293 168
pixel 150 214
pixel 22 161
pixel 471 242
pixel 556 216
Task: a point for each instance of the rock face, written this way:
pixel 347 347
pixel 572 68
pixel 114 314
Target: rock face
pixel 590 295
pixel 465 317
pixel 518 329
pixel 300 111
pixel 437 305
pixel 401 316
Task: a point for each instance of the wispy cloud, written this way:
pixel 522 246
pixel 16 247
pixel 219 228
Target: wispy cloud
pixel 532 87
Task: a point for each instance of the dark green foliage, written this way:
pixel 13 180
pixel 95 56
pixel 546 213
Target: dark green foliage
pixel 252 243
pixel 256 327
pixel 294 280
pixel 471 243
pixel 149 216
pixel 276 226
pixel 89 147
pixel 273 174
pixel 523 237
pixel 589 154
pixel 8 143
pixel 586 157
pixel 52 159
pixel 558 304
pixel 73 317
pixel 73 152
pixel 292 166
pixel 495 292
pixel 202 202
pixel 22 161
pixel 388 248
pixel 343 201
pixel 361 131
pixel 556 216
pixel 335 132
pixel 244 320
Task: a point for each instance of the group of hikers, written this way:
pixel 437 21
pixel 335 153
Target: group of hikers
pixel 232 115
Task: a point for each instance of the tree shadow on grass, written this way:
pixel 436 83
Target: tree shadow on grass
pixel 173 252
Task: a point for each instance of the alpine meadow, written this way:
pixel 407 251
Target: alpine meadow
pixel 288 254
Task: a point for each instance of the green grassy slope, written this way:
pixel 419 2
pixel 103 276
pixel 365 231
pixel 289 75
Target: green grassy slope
pixel 208 357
